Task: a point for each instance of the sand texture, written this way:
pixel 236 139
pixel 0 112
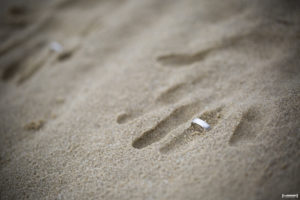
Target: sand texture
pixel 108 114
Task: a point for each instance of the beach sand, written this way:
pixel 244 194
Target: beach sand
pixel 97 99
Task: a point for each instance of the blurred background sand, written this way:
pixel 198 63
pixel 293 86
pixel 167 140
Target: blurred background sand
pixel 108 114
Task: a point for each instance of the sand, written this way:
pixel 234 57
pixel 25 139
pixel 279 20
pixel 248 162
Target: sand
pixel 108 116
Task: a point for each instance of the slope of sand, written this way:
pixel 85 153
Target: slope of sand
pixel 110 116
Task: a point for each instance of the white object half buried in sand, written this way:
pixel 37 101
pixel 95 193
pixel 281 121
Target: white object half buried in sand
pixel 201 123
pixel 57 47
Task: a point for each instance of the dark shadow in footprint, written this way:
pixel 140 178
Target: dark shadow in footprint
pixel 69 4
pixel 17 10
pixel 123 118
pixel 17 16
pixel 211 117
pixel 177 60
pixel 12 64
pixel 247 127
pixel 11 69
pixel 181 139
pixel 65 55
pixel 128 115
pixel 177 117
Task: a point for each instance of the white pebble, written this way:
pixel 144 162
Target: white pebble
pixel 201 123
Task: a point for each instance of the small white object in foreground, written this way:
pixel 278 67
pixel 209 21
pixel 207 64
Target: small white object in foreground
pixel 201 123
pixel 55 46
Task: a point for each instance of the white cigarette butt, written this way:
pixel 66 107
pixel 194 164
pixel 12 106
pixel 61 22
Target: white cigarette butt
pixel 55 46
pixel 201 123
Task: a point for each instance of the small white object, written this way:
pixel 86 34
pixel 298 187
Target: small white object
pixel 201 123
pixel 57 47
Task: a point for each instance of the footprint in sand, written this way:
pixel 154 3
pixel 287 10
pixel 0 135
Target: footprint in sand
pixel 185 59
pixel 247 128
pixel 128 116
pixel 170 95
pixel 17 16
pixel 69 48
pixel 178 60
pixel 13 63
pixel 123 118
pixel 212 117
pixel 176 92
pixel 184 113
pixel 177 117
pixel 69 4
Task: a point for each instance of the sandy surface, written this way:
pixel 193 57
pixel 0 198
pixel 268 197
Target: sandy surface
pixel 109 117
